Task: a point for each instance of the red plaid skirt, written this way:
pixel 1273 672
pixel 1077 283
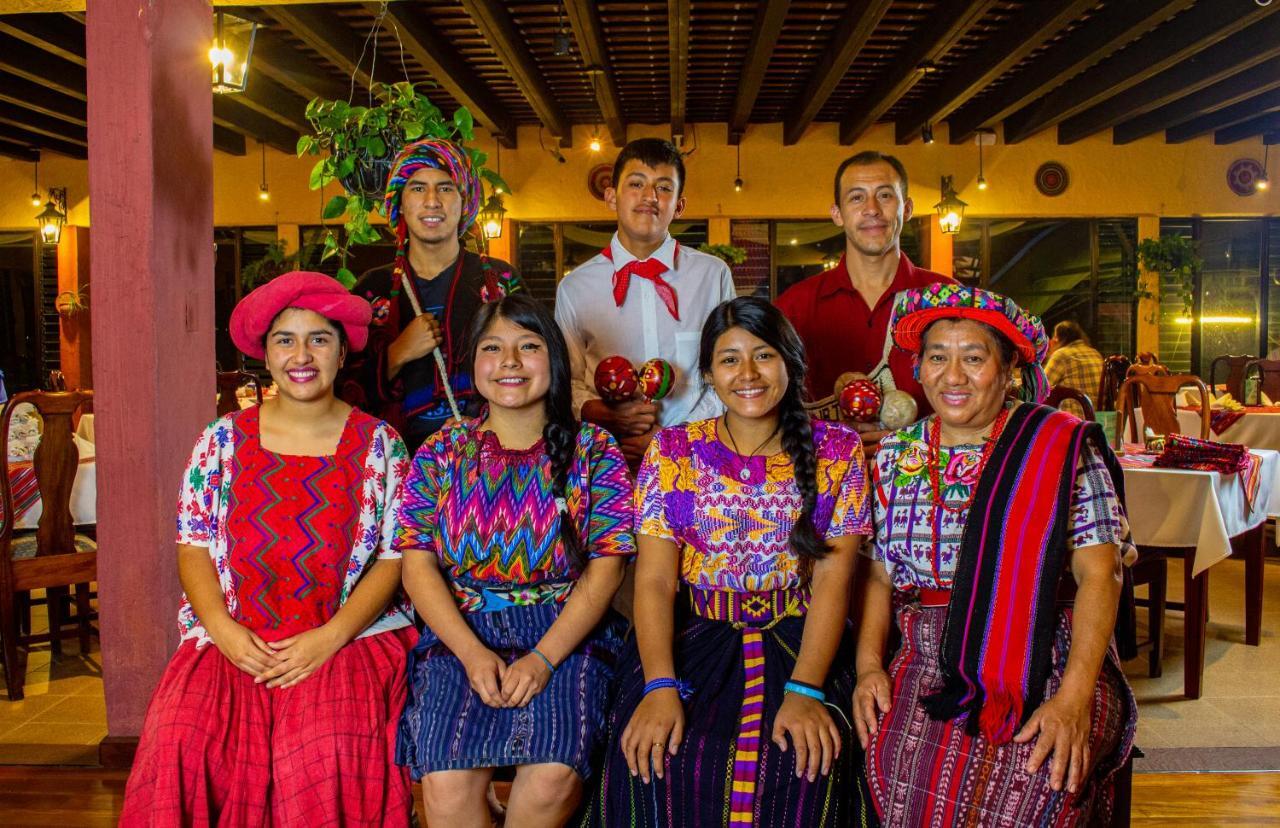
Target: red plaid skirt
pixel 216 749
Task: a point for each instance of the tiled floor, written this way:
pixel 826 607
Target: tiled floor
pixel 63 714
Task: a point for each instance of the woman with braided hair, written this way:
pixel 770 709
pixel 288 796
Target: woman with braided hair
pixel 733 705
pixel 515 530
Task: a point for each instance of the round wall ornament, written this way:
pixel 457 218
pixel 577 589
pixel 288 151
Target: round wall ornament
pixel 600 179
pixel 1052 179
pixel 1242 176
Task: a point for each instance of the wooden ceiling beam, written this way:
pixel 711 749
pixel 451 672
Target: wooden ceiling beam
pixel 503 37
pixel 15 115
pixel 588 31
pixel 950 22
pixel 326 34
pixel 1248 129
pixel 846 43
pixel 1271 138
pixel 1240 52
pixel 678 61
pixel 20 135
pixel 1227 116
pixel 29 95
pixel 56 34
pixel 38 66
pixel 1112 28
pixel 266 97
pixel 1208 106
pixel 1036 24
pixel 770 16
pixel 424 43
pixel 276 59
pixel 1199 27
pixel 236 116
pixel 19 152
pixel 228 141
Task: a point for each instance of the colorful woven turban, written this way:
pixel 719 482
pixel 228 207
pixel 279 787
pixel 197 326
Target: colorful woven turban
pixel 918 308
pixel 317 292
pixel 438 154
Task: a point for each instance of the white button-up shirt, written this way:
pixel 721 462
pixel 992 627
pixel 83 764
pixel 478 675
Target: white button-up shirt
pixel 642 328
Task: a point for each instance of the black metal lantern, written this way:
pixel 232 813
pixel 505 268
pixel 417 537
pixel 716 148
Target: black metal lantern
pixel 491 217
pixel 232 48
pixel 54 216
pixel 950 208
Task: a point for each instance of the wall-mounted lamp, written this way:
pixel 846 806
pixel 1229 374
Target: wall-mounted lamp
pixel 231 51
pixel 491 217
pixel 950 208
pixel 54 216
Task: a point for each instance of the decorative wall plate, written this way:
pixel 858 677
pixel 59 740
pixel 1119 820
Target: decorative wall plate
pixel 1052 179
pixel 599 179
pixel 1242 176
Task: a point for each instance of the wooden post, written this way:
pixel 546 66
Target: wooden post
pixel 151 186
pixel 74 329
pixel 935 246
pixel 1148 322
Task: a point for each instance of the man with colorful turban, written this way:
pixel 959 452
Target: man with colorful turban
pixel 433 197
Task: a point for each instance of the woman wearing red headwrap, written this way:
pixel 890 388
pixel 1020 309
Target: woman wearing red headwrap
pixel 281 703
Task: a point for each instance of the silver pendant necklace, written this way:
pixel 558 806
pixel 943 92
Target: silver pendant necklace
pixel 744 474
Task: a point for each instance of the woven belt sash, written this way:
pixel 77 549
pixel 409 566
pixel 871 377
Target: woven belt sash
pixel 472 598
pixel 749 609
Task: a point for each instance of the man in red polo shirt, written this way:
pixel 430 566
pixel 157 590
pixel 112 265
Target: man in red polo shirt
pixel 842 314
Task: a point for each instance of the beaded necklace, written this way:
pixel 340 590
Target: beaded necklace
pixel 935 476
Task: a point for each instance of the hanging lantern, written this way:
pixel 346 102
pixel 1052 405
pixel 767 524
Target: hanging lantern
pixel 491 217
pixel 54 216
pixel 950 208
pixel 232 47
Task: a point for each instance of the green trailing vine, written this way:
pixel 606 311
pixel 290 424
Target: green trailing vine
pixel 727 253
pixel 1174 258
pixel 359 143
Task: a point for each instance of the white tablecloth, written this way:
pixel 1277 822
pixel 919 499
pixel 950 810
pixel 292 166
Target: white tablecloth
pixel 84 429
pixel 1182 507
pixel 84 500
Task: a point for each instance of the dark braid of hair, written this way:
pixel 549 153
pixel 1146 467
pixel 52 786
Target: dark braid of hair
pixel 797 442
pixel 560 436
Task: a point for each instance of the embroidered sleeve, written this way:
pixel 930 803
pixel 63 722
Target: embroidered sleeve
pixel 1096 514
pixel 882 474
pixel 420 499
pixel 845 482
pixel 609 525
pixel 656 477
pixel 395 465
pixel 202 487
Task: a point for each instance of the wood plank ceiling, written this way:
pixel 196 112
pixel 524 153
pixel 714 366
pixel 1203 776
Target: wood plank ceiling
pixel 1133 68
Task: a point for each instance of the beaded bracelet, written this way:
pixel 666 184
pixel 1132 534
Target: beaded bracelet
pixel 545 660
pixel 684 689
pixel 802 689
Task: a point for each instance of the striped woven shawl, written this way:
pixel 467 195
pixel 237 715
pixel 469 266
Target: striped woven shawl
pixel 998 639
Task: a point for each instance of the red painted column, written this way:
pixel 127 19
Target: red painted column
pixel 151 199
pixel 75 343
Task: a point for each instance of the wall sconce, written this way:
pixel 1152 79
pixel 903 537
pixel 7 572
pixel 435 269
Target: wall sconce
pixel 232 48
pixel 491 217
pixel 950 208
pixel 54 216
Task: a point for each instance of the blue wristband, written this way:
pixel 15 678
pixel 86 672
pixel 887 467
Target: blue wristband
pixel 802 689
pixel 684 689
pixel 545 660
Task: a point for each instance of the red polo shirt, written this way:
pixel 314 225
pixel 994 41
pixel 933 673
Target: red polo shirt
pixel 841 333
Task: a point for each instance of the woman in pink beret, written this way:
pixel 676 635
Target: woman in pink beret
pixel 280 705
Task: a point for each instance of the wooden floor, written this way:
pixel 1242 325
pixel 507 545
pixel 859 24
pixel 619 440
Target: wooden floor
pixel 72 797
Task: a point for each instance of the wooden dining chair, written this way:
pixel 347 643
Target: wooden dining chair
pixel 1114 370
pixel 1235 367
pixel 53 556
pixel 229 382
pixel 1156 395
pixel 1083 405
pixel 1268 371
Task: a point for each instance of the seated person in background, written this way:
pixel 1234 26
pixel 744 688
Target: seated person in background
pixel 1073 362
pixel 643 296
pixel 433 198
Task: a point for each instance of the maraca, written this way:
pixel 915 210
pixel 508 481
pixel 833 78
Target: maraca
pixel 898 410
pixel 860 401
pixel 615 379
pixel 656 379
pixel 846 378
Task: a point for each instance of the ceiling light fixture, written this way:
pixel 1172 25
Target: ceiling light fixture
pixel 562 41
pixel 926 133
pixel 1262 183
pixel 595 145
pixel 263 193
pixel 232 48
pixel 982 138
pixel 737 182
pixel 35 184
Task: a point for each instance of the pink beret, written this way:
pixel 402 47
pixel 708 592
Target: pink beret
pixel 317 292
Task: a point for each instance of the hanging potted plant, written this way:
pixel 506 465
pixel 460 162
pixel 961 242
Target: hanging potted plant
pixel 1174 258
pixel 359 144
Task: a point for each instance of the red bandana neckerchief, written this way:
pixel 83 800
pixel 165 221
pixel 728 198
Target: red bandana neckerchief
pixel 650 269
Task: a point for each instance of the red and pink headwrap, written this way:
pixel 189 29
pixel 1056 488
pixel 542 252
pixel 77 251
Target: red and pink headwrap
pixel 252 317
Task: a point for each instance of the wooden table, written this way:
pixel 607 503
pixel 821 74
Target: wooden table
pixel 1203 514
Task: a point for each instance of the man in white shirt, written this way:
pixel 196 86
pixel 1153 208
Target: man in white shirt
pixel 643 296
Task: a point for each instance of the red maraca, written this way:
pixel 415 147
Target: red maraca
pixel 615 379
pixel 656 379
pixel 860 401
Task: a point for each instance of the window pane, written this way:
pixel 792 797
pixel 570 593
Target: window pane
pixel 1044 266
pixel 1175 335
pixel 803 248
pixel 1273 287
pixel 1232 253
pixel 536 259
pixel 966 252
pixel 1113 330
pixel 752 276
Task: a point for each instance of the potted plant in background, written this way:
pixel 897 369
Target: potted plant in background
pixel 727 253
pixel 359 144
pixel 1176 259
